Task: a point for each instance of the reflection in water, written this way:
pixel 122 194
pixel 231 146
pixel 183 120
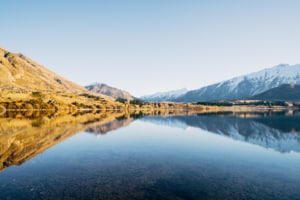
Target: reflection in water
pixel 276 131
pixel 104 128
pixel 146 161
pixel 25 135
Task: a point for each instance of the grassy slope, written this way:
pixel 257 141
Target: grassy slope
pixel 23 81
pixel 24 75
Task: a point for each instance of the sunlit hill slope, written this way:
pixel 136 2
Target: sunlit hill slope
pixel 25 81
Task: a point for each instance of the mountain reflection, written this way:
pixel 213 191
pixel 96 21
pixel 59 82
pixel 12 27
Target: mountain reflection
pixel 25 135
pixel 109 126
pixel 276 131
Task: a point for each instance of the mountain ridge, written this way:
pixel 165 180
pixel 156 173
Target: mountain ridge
pixel 102 88
pixel 25 84
pixel 18 72
pixel 245 86
pixel 164 96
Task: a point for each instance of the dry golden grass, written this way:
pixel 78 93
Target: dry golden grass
pixel 23 74
pixel 22 79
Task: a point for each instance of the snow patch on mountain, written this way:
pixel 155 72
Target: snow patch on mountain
pixel 164 96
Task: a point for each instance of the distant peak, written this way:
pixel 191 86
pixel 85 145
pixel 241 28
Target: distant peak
pixel 282 65
pixel 96 83
pixel 108 90
pixel 170 91
pixel 163 96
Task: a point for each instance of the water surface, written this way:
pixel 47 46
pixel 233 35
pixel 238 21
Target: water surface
pixel 155 157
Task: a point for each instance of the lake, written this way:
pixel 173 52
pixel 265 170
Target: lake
pixel 112 156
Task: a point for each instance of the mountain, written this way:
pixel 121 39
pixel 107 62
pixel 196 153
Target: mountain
pixel 19 73
pixel 104 89
pixel 165 96
pixel 246 86
pixel 25 84
pixel 285 92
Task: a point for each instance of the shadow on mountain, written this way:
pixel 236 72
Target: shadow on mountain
pixel 278 131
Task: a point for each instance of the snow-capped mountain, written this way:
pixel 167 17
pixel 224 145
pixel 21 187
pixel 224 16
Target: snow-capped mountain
pixel 245 86
pixel 165 96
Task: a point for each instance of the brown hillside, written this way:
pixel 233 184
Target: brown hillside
pixel 24 84
pixel 19 73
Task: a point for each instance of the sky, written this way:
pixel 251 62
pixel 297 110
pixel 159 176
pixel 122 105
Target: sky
pixel 148 46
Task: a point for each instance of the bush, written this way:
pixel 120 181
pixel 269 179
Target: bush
pixel 121 100
pixel 37 94
pixel 137 102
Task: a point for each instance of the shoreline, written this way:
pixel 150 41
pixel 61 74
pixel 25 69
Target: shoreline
pixel 83 106
pixel 151 111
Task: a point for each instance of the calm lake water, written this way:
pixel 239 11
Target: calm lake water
pixel 155 157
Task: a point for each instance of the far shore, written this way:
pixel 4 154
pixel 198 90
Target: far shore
pixel 179 109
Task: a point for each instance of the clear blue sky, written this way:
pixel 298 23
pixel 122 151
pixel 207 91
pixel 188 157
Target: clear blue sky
pixel 145 46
